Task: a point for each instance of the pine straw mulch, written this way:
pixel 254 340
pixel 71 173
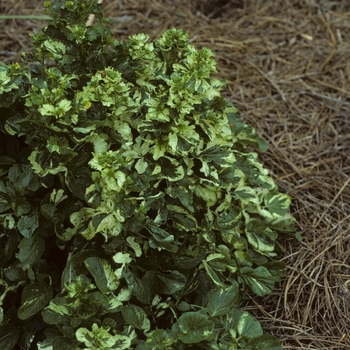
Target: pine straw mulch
pixel 287 69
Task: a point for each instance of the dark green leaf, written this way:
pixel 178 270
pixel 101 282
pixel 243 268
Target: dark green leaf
pixel 31 249
pixel 11 245
pixel 8 336
pixel 62 343
pixel 78 180
pixel 162 238
pixel 13 273
pixel 5 202
pixel 50 212
pixel 171 282
pixel 171 169
pixel 103 274
pixel 35 297
pixel 21 207
pixel 136 317
pixel 23 177
pixel 27 224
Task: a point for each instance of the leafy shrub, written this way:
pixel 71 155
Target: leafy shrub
pixel 134 214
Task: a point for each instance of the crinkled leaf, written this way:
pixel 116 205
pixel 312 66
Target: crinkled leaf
pixel 35 297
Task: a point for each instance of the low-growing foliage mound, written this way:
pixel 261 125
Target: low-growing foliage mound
pixel 134 212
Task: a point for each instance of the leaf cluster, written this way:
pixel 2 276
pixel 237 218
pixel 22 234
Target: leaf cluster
pixel 134 213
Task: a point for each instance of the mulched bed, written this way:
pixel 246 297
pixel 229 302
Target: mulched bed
pixel 287 69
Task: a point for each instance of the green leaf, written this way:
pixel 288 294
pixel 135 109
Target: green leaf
pixel 5 202
pixel 160 339
pixel 261 242
pixel 77 180
pixel 276 268
pixel 31 249
pixel 265 342
pixel 161 238
pixel 171 282
pixel 35 297
pixel 221 300
pixel 50 335
pixel 259 280
pixel 8 336
pixel 27 224
pixel 100 338
pixel 136 317
pixel 171 169
pixel 277 203
pixel 75 266
pixel 193 327
pixel 62 343
pixel 103 274
pixel 248 327
pixel 23 177
pixel 212 274
pixel 21 207
pixel 243 258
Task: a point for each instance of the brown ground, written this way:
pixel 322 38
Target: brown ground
pixel 287 68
